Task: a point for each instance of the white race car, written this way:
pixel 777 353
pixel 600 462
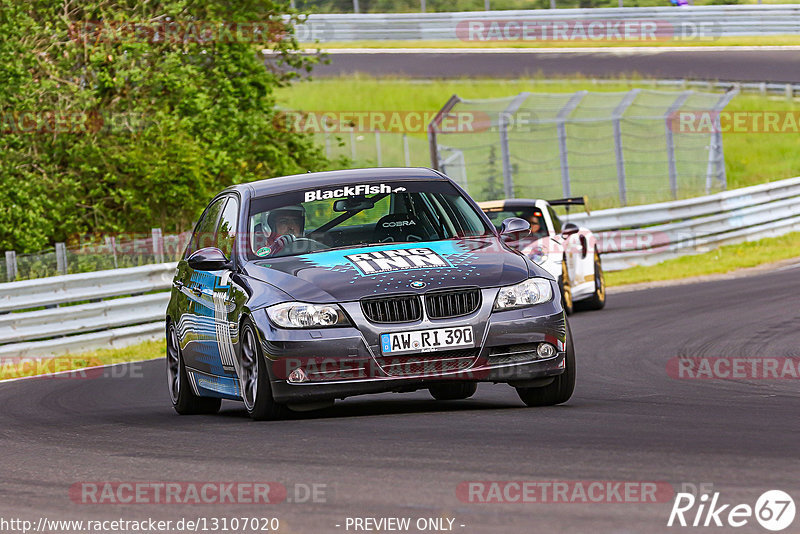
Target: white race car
pixel 568 252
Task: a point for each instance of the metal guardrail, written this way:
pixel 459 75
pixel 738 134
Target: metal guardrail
pixel 134 311
pixel 645 235
pixel 707 22
pixel 637 235
pixel 55 290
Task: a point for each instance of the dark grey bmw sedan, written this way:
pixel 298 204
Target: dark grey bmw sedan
pixel 300 290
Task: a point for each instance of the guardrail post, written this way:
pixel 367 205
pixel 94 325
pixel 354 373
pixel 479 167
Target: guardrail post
pixel 61 258
pixel 561 125
pixel 616 118
pixel 406 151
pixel 378 148
pixel 668 124
pixel 11 265
pixel 158 245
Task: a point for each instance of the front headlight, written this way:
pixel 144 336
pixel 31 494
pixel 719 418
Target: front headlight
pixel 538 255
pixel 302 315
pixel 527 293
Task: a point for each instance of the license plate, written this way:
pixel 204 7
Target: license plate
pixel 427 340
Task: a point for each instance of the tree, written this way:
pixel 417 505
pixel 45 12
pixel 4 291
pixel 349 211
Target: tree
pixel 124 115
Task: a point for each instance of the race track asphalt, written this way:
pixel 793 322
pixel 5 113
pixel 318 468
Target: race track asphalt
pixel 403 455
pixel 723 63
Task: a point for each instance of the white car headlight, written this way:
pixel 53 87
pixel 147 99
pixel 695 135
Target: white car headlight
pixel 531 291
pixel 302 315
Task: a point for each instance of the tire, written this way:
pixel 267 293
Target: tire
pixel 254 378
pixel 598 299
pixel 453 391
pixel 559 390
pixel 566 289
pixel 183 398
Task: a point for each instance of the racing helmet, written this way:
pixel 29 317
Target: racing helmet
pixel 298 212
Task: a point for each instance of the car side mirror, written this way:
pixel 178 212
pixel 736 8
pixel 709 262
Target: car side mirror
pixel 515 228
pixel 209 259
pixel 570 229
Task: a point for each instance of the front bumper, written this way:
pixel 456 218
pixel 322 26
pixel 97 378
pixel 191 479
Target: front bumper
pixel 340 363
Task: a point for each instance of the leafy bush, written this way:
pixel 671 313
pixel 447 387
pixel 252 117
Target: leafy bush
pixel 107 131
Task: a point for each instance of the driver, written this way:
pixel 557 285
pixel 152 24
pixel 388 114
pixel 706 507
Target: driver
pixel 286 225
pixel 537 225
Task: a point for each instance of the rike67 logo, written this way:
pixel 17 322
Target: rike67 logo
pixel 774 510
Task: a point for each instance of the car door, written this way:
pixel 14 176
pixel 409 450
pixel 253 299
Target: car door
pixel 228 297
pixel 198 328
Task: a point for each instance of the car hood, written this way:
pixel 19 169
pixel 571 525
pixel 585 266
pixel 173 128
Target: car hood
pixel 351 274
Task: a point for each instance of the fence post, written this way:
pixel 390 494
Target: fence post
pixel 505 158
pixel 11 265
pixel 561 124
pixel 716 158
pixel 616 118
pixel 433 144
pixel 378 148
pixel 406 151
pixel 673 171
pixel 505 153
pixel 61 258
pixel 111 242
pixel 158 245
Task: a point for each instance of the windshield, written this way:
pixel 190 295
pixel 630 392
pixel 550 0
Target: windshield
pixel 308 221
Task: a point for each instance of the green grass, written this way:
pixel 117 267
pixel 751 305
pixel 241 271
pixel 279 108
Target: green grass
pixel 24 367
pixel 750 158
pixel 722 260
pixel 744 40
